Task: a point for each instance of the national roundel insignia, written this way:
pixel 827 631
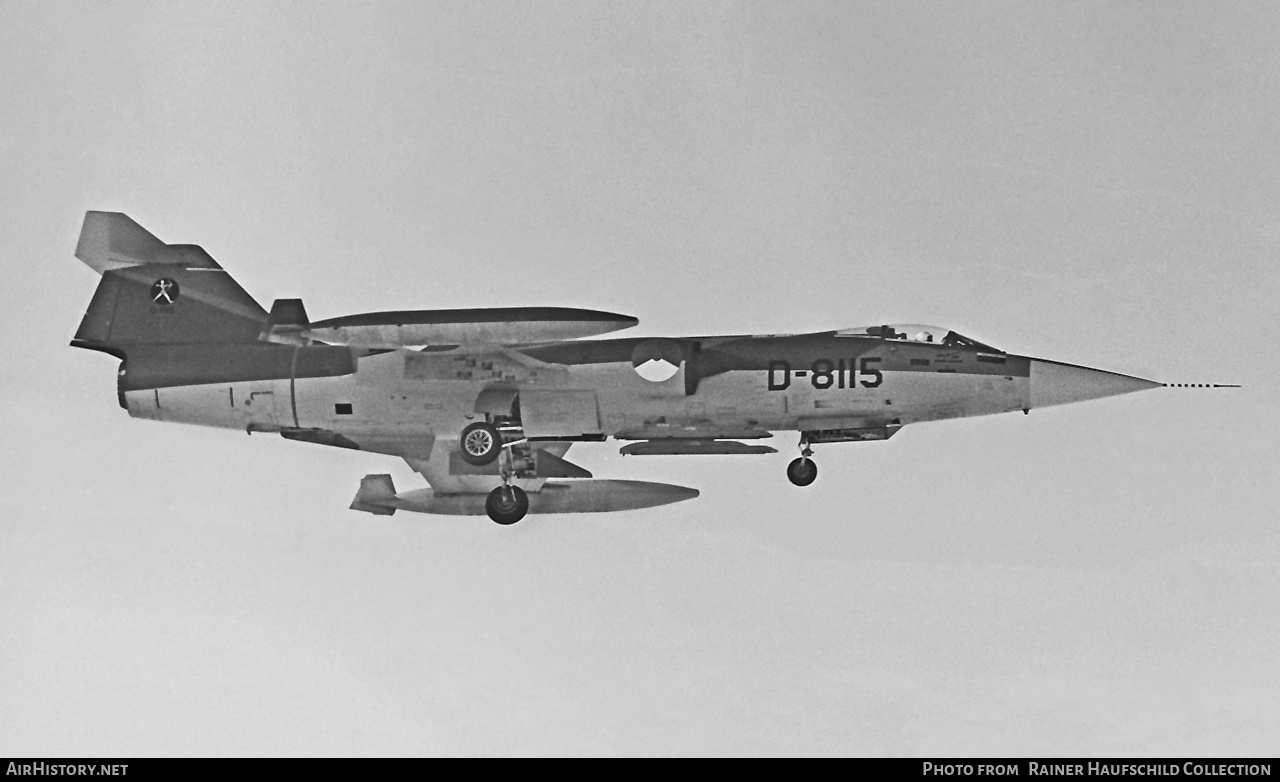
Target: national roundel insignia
pixel 164 292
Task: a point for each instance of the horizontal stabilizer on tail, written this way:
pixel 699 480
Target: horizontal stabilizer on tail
pixel 109 240
pixel 112 240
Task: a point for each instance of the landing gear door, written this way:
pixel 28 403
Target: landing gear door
pixel 559 413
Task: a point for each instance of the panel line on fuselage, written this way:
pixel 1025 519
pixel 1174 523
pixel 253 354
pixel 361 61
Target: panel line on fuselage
pixel 293 379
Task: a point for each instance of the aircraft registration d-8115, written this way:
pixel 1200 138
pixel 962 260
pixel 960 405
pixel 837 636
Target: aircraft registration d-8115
pixel 485 403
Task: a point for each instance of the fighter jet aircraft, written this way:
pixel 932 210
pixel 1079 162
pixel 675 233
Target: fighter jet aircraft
pixel 485 403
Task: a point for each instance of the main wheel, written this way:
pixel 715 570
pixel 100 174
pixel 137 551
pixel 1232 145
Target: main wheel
pixel 507 504
pixel 802 471
pixel 480 444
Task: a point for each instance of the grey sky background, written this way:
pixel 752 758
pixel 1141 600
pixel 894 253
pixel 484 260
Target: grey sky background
pixel 1096 183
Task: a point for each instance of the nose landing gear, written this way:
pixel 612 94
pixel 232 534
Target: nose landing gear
pixel 803 471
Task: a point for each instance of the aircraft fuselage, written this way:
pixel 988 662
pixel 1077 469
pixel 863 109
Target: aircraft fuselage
pixel 726 387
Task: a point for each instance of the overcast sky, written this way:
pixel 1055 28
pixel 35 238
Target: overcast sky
pixel 1096 183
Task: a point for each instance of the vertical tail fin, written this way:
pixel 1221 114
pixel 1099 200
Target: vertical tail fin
pixel 154 293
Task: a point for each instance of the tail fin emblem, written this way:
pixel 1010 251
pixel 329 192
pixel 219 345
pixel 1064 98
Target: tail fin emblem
pixel 164 292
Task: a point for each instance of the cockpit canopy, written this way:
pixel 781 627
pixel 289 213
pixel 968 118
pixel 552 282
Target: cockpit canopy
pixel 917 332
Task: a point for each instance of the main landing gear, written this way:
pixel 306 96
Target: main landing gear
pixel 507 504
pixel 803 471
pixel 484 442
pixel 480 443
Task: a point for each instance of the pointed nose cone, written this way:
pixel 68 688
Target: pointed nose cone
pixel 1053 383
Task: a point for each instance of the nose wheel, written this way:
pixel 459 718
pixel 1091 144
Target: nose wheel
pixel 803 471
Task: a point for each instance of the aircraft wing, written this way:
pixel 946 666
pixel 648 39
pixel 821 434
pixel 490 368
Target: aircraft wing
pixel 476 346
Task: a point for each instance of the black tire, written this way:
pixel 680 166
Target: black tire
pixel 802 471
pixel 480 443
pixel 507 504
